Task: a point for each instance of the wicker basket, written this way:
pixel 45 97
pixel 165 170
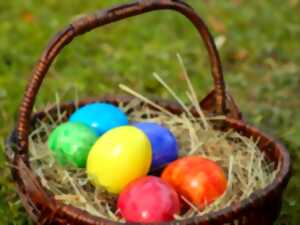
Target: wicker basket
pixel 261 208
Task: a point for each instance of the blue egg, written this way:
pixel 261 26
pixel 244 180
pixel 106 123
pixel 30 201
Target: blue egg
pixel 100 116
pixel 163 142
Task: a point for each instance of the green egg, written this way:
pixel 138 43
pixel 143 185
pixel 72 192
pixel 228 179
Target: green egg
pixel 71 143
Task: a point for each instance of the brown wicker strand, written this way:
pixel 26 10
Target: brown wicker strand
pixel 261 208
pixel 101 18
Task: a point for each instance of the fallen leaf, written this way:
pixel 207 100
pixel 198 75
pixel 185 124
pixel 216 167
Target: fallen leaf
pixel 217 25
pixel 237 2
pixel 27 17
pixel 241 54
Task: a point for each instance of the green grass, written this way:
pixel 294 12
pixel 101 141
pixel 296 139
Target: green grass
pixel 260 56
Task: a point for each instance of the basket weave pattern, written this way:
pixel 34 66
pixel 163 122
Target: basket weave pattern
pixel 261 208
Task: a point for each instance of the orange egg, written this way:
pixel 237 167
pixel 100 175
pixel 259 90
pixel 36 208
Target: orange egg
pixel 198 179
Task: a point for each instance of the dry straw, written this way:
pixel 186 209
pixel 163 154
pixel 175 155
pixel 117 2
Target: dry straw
pixel 246 167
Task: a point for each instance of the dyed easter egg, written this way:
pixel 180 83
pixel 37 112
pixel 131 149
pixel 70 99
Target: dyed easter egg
pixel 148 200
pixel 119 156
pixel 199 179
pixel 71 142
pixel 163 142
pixel 100 116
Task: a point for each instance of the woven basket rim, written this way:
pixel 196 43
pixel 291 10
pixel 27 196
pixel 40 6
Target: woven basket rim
pixel 226 213
pixel 35 199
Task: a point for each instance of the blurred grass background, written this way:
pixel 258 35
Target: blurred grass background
pixel 258 42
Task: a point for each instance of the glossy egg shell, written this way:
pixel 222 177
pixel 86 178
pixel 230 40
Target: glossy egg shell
pixel 100 116
pixel 198 179
pixel 163 143
pixel 148 200
pixel 71 142
pixel 118 157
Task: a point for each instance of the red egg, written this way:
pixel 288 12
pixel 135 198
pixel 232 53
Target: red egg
pixel 148 200
pixel 198 179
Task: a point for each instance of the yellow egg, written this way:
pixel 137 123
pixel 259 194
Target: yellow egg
pixel 118 157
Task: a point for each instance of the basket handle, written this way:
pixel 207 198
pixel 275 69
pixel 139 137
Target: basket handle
pixel 104 17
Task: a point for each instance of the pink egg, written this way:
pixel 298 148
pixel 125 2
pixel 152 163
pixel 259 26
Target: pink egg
pixel 148 200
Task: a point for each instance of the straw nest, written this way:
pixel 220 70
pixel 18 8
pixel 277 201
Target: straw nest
pixel 246 167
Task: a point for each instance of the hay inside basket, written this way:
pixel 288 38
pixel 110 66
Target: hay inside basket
pixel 246 167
